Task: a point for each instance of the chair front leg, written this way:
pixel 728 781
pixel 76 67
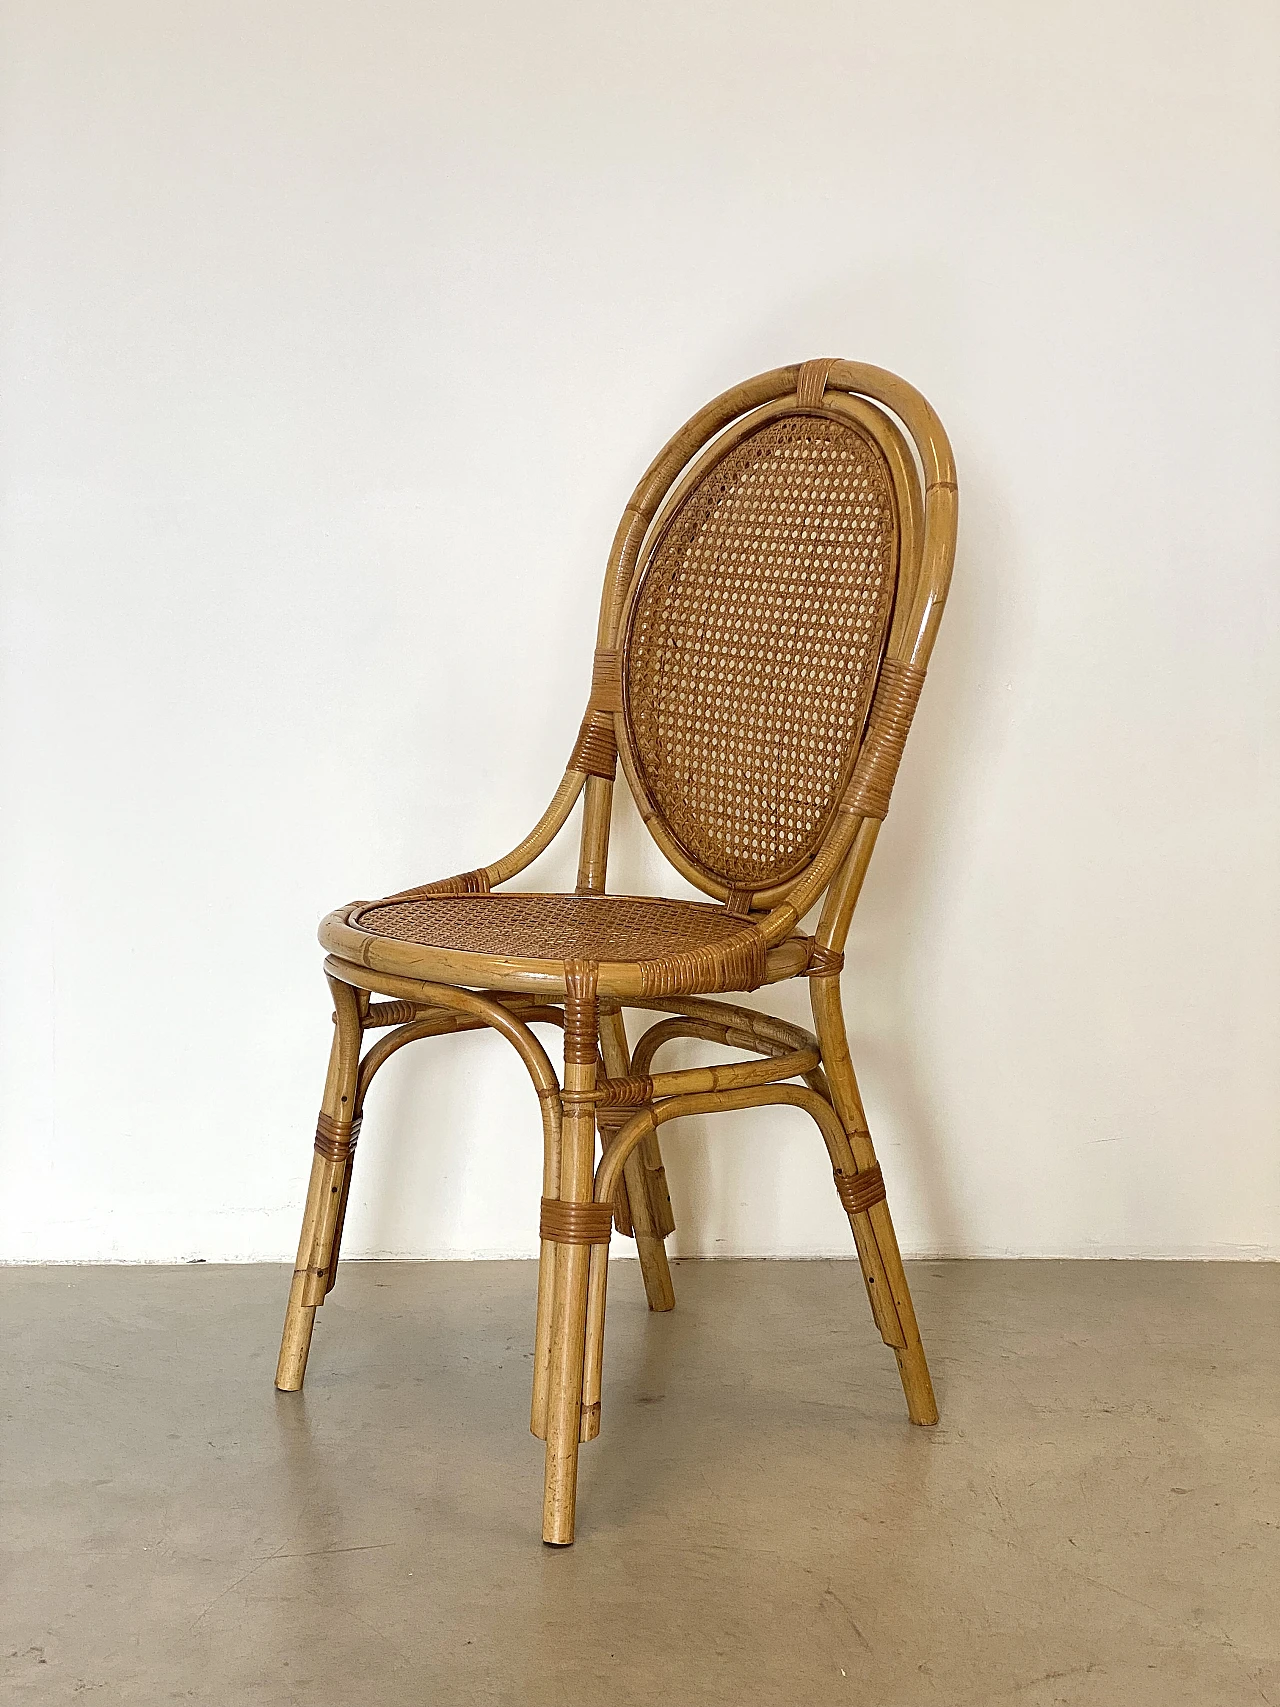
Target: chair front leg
pixel 863 1197
pixel 575 1224
pixel 336 1133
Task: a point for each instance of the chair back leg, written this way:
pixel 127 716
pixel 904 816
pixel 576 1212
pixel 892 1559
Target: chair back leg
pixel 868 1208
pixel 648 1203
pixel 336 1133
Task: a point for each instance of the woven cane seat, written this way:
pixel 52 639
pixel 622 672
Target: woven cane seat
pixel 671 945
pixel 553 927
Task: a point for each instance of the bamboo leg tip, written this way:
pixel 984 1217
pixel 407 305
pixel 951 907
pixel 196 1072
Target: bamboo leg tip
pixel 655 1271
pixel 291 1366
pixel 557 1529
pixel 917 1388
pixel 559 1506
pixel 291 1372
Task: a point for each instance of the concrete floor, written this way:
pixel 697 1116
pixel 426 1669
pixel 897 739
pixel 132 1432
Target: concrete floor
pixel 1094 1521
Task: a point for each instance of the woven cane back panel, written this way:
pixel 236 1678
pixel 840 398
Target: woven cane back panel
pixel 553 927
pixel 754 642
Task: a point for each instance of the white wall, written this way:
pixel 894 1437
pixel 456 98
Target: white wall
pixel 335 336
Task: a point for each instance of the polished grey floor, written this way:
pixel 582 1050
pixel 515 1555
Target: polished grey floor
pixel 1096 1519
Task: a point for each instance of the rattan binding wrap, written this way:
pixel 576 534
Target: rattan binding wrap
pixel 465 883
pixel 812 381
pixel 596 749
pixel 612 1117
pixel 389 1013
pixel 606 681
pixel 581 1013
pixel 825 962
pixel 737 963
pixel 897 696
pixel 753 643
pixel 336 1139
pixel 859 1192
pixel 621 1093
pixel 575 1223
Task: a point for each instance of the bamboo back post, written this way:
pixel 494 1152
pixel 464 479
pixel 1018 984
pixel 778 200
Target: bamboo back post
pixel 770 604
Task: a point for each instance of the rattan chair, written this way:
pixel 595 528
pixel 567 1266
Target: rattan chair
pixel 769 608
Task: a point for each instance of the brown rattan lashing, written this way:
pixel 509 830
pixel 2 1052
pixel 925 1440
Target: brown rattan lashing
pixel 576 1223
pixel 623 1093
pixel 336 1139
pixel 860 1192
pixel 769 609
pixel 877 767
pixel 595 752
pixel 825 962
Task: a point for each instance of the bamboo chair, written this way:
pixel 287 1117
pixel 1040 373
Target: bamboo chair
pixel 769 608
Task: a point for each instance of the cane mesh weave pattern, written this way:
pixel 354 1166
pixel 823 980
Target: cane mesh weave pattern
pixel 754 642
pixel 558 927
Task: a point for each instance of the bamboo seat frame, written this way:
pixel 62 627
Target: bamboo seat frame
pixel 852 463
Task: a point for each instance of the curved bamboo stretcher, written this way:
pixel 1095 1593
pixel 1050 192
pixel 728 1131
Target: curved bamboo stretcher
pixel 769 608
